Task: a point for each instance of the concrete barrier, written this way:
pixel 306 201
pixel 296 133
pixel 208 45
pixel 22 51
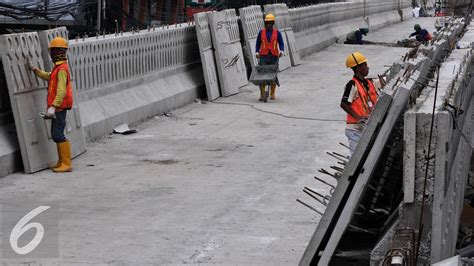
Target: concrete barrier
pixel 316 27
pixel 319 26
pixel 10 156
pixel 130 77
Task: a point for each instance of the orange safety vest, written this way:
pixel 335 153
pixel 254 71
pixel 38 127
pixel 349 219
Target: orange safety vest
pixel 363 104
pixel 53 85
pixel 269 47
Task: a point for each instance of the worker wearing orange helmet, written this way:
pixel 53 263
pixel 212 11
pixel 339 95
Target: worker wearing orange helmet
pixel 359 98
pixel 269 48
pixel 59 100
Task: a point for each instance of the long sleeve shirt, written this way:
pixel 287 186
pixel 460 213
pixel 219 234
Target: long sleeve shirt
pixel 421 36
pixel 269 36
pixel 354 37
pixel 62 81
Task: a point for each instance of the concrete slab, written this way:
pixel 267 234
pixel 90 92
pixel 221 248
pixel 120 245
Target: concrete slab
pixel 293 48
pixel 28 94
pixel 228 51
pixel 203 32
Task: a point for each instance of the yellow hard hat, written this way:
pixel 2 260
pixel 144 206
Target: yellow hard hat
pixel 270 18
pixel 58 42
pixel 355 59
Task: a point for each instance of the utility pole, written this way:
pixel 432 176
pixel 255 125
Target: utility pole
pixel 99 14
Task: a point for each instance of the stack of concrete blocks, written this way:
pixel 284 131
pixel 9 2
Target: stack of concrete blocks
pixel 251 19
pixel 283 22
pixel 228 51
pixel 130 77
pixel 45 38
pixel 203 32
pixel 28 98
pixel 277 10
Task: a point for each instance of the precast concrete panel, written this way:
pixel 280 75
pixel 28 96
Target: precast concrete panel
pixel 452 151
pixel 103 60
pixel 203 32
pixel 292 48
pixel 335 206
pixel 251 19
pixel 28 98
pixel 228 51
pixel 396 109
pixel 277 10
pixel 45 38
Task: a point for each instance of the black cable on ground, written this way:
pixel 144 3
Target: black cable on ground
pixel 282 115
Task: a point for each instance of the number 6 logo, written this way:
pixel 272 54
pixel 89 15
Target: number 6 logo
pixel 22 226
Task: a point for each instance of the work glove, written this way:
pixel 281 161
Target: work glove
pixel 50 113
pixel 30 65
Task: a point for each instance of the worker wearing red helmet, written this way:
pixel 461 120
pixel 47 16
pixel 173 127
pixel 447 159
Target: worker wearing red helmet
pixel 59 100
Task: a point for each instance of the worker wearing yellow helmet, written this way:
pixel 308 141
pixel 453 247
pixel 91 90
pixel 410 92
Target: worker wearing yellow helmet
pixel 59 100
pixel 269 48
pixel 359 98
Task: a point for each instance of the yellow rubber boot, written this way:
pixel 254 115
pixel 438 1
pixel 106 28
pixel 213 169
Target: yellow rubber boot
pixel 272 91
pixel 65 154
pixel 262 93
pixel 52 166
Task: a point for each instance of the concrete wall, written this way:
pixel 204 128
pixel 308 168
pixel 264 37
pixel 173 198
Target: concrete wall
pixel 319 26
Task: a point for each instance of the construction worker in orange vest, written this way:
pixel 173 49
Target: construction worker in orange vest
pixel 59 100
pixel 269 48
pixel 359 98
